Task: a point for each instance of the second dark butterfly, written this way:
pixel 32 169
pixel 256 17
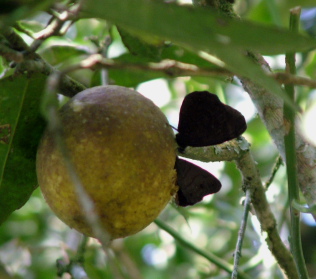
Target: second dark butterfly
pixel 194 183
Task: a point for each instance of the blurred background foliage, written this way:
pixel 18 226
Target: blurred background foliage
pixel 32 239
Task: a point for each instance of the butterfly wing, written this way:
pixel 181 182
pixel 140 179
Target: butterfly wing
pixel 194 183
pixel 204 120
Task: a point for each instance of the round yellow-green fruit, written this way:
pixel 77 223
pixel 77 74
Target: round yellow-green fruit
pixel 124 152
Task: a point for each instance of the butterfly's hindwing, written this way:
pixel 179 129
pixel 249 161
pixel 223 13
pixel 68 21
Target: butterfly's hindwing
pixel 194 183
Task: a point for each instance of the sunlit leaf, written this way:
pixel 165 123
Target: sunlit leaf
pixel 20 129
pixel 57 54
pixel 139 47
pixel 31 25
pixel 131 77
pixel 183 55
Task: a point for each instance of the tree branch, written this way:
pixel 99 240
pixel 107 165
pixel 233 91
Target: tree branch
pixel 20 52
pixel 172 68
pixel 270 109
pixel 287 78
pixel 29 63
pixel 238 151
pixel 247 166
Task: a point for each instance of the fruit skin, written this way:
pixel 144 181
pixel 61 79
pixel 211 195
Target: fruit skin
pixel 124 151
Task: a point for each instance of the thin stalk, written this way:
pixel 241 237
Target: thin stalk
pixel 209 256
pixel 291 160
pixel 275 168
pixel 241 234
pixel 49 109
pixel 82 249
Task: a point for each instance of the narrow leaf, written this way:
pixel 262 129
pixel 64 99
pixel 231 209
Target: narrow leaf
pixel 57 54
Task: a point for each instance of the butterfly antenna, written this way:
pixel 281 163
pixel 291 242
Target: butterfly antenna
pixel 173 127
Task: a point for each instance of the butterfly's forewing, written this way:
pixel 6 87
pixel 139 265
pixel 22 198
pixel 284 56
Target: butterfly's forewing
pixel 204 120
pixel 194 183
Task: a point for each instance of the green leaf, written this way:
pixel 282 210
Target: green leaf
pixel 180 54
pixel 139 47
pixel 310 68
pixel 30 25
pixel 203 30
pixel 57 54
pixel 199 28
pixel 12 11
pixel 20 129
pixel 132 77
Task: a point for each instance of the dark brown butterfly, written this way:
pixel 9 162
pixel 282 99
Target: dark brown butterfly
pixel 204 120
pixel 194 183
